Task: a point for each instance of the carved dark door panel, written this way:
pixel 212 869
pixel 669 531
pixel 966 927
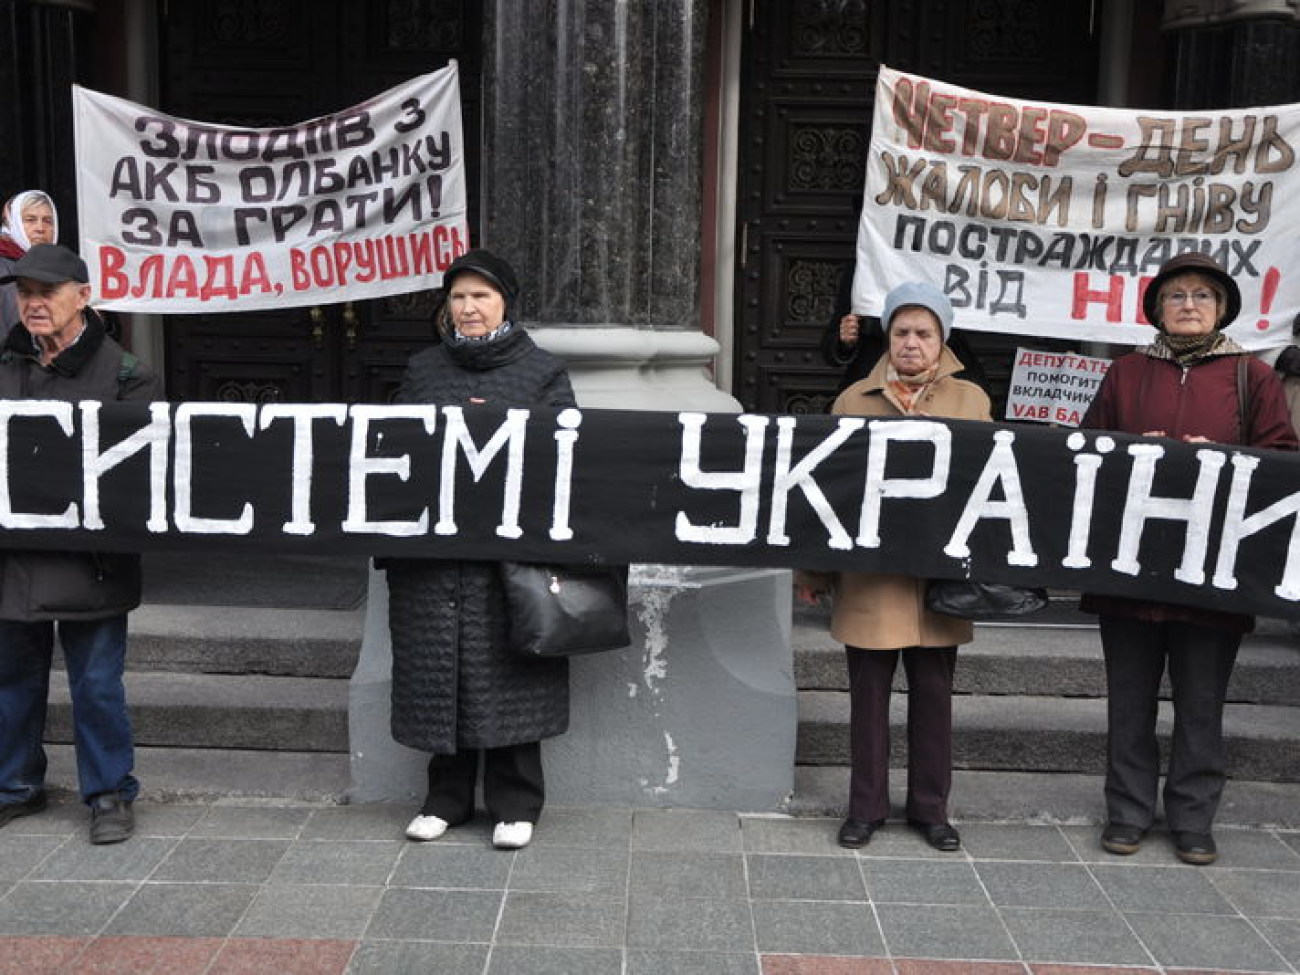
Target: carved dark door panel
pixel 281 61
pixel 809 72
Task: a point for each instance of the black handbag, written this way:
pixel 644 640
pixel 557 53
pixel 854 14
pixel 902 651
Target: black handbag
pixel 982 600
pixel 563 610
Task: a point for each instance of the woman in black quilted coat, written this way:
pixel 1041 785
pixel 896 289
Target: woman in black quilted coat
pixel 458 690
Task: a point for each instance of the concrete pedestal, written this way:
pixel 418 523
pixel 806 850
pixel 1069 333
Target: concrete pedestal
pixel 699 712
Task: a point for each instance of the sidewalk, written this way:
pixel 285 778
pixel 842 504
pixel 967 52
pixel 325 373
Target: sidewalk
pixel 254 886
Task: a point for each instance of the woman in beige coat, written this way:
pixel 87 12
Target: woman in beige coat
pixel 880 617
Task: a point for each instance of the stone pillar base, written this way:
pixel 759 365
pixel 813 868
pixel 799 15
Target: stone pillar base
pixel 622 368
pixel 699 712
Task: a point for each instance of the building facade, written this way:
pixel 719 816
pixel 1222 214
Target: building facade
pixel 678 181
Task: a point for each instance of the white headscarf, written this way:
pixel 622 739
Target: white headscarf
pixel 13 216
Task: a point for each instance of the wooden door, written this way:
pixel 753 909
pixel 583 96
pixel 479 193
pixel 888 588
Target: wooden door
pixel 283 61
pixel 808 78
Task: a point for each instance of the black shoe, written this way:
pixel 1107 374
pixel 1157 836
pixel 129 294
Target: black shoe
pixel 856 833
pixel 941 836
pixel 1120 839
pixel 1197 849
pixel 111 819
pixel 28 807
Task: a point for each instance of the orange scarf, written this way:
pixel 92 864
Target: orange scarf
pixel 905 391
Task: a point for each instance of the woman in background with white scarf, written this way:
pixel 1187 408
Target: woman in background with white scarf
pixel 29 218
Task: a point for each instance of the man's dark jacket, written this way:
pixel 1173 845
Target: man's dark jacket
pixel 47 585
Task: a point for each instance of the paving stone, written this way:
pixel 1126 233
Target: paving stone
pixel 1168 890
pixel 589 827
pixel 703 924
pixel 1013 841
pixel 542 960
pixel 642 961
pixel 283 956
pixel 570 869
pixel 368 821
pixel 21 852
pixel 221 861
pixel 1255 849
pixel 360 862
pixel 41 953
pixel 1074 937
pixel 132 860
pixel 309 911
pixel 562 919
pixel 1042 885
pixel 166 818
pixel 687 874
pixel 763 834
pixel 445 865
pixel 65 908
pixel 805 878
pixel 944 931
pixel 173 956
pixel 1260 893
pixel 251 823
pixel 199 910
pixel 435 915
pixel 682 829
pixel 417 958
pixel 1283 935
pixel 1205 942
pixel 817 927
pixel 923 882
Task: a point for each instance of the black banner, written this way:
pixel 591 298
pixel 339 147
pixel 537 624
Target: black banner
pixel 1198 524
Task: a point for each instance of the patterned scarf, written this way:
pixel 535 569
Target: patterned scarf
pixel 1187 349
pixel 905 391
pixel 500 332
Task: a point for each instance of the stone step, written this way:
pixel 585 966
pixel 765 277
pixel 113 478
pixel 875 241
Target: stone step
pixel 204 774
pixel 243 640
pixel 1049 734
pixel 289 714
pixel 1060 660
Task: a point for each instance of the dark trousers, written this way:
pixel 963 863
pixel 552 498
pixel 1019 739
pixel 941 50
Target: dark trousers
pixel 1200 661
pixel 929 731
pixel 513 786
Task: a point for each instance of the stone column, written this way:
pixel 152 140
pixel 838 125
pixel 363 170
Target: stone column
pixel 592 173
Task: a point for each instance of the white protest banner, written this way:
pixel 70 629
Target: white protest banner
pixel 180 216
pixel 1050 220
pixel 1053 387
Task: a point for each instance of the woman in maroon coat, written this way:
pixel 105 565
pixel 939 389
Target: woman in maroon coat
pixel 1186 385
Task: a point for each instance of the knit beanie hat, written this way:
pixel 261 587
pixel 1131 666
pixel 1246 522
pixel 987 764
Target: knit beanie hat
pixel 919 293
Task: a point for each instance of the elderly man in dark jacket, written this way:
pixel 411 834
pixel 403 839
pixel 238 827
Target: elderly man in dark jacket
pixel 60 352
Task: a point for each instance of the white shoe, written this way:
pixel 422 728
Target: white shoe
pixel 512 836
pixel 425 828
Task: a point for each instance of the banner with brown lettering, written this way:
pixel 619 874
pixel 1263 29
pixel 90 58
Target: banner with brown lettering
pixel 1049 220
pixel 1137 516
pixel 178 216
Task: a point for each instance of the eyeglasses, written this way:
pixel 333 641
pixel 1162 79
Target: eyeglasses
pixel 1199 297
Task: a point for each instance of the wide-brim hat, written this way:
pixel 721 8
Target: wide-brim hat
pixel 51 263
pixel 1193 262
